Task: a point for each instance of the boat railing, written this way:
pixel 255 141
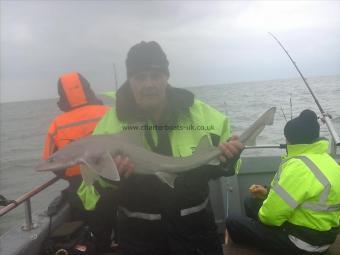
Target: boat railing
pixel 26 198
pixel 332 149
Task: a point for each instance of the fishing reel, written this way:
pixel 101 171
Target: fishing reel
pixel 4 201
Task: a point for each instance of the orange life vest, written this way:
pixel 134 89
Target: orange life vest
pixel 71 126
pixel 81 115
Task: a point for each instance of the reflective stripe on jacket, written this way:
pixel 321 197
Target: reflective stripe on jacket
pixel 71 126
pixel 306 190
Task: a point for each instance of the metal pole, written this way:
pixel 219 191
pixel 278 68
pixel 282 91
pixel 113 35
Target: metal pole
pixel 269 146
pixel 115 76
pixel 29 225
pixel 331 129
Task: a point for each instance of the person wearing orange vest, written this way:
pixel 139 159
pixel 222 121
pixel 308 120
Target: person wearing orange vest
pixel 81 112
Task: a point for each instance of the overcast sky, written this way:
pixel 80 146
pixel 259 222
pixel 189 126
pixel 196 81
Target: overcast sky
pixel 206 42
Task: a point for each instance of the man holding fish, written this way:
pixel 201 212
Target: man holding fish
pixel 167 145
pixel 166 213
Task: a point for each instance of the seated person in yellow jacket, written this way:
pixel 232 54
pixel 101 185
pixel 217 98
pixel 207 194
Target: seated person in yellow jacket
pixel 301 213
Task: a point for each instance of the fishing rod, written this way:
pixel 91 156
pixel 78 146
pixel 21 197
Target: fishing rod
pixel 325 116
pixel 284 115
pixel 115 76
pixel 266 146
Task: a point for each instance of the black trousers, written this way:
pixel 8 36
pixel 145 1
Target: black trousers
pixel 102 219
pixel 190 235
pixel 248 230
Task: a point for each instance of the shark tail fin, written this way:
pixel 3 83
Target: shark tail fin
pixel 251 141
pixel 248 137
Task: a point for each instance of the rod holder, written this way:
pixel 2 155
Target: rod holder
pixel 29 224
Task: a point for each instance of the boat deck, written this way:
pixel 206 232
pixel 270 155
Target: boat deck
pixel 335 249
pixel 233 249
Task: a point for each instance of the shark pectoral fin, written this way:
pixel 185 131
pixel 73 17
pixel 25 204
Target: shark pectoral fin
pixel 133 136
pixel 108 168
pixel 88 175
pixel 167 178
pixel 104 166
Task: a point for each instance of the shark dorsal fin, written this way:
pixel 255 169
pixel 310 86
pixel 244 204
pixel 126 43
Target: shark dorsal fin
pixel 135 137
pixel 204 145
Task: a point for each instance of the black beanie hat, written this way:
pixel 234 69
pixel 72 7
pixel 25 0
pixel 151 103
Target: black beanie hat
pixel 304 129
pixel 145 56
